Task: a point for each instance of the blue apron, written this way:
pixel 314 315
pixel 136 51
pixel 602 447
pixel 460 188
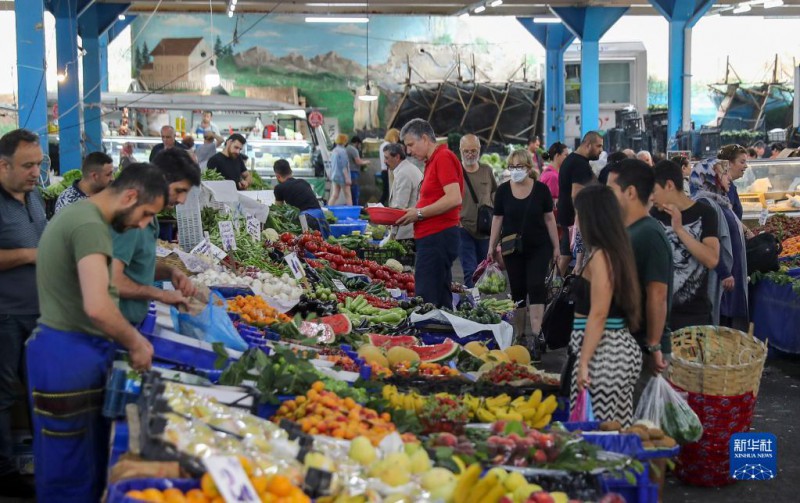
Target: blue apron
pixel 67 372
pixel 319 223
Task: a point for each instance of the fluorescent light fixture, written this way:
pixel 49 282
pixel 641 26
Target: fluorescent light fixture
pixel 465 15
pixel 331 19
pixel 496 3
pixel 479 9
pixel 742 8
pixel 121 17
pixel 367 97
pixel 771 4
pixel 546 20
pixel 336 4
pixel 230 13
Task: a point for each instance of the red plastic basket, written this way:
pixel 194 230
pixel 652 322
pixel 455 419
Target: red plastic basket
pixel 707 461
pixel 384 216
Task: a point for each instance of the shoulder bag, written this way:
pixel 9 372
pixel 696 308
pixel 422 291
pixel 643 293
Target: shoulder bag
pixel 762 253
pixel 560 312
pixel 485 212
pixel 513 242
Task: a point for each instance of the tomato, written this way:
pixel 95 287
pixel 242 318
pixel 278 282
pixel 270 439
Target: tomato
pixel 312 247
pixel 287 237
pixel 317 234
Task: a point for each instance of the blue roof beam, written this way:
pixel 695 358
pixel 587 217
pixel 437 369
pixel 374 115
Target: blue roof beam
pixel 682 15
pixel 589 24
pixel 555 38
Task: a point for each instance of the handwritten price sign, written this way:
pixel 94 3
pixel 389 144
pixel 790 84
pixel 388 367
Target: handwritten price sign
pixel 231 480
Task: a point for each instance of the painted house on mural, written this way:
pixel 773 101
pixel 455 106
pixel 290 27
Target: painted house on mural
pixel 178 64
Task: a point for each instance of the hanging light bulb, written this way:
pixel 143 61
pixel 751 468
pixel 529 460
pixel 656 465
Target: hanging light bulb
pixel 62 77
pixel 212 76
pixel 368 96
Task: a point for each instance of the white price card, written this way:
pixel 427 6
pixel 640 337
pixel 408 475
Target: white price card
pixel 476 295
pixel 339 285
pixel 231 479
pixel 206 247
pixel 295 265
pixel 762 217
pixel 395 293
pixel 303 222
pixel 254 228
pixel 162 252
pixel 228 235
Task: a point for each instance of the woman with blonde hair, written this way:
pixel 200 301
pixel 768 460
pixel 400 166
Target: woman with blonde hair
pixel 392 136
pixel 523 209
pixel 340 172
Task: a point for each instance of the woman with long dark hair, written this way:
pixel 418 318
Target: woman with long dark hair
pixel 554 157
pixel 607 308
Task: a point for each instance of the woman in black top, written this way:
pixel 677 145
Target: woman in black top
pixel 607 308
pixel 524 206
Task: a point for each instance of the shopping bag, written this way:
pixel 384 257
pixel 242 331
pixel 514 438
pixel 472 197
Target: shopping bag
pixel 480 270
pixel 212 324
pixel 559 315
pixel 553 283
pixel 492 281
pixel 662 405
pixel 582 411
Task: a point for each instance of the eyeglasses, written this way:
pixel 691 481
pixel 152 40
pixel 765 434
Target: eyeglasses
pixel 470 151
pixel 513 167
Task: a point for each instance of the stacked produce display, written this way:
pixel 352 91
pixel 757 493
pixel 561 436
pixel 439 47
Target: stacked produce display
pixel 341 397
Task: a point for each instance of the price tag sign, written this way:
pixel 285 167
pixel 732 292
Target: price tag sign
pixel 295 265
pixel 476 295
pixel 228 235
pixel 162 252
pixel 762 217
pixel 254 228
pixel 206 247
pixel 339 285
pixel 303 222
pixel 231 480
pixel 395 293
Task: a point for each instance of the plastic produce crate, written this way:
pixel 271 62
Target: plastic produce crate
pixel 348 227
pixel 345 212
pixel 378 255
pixel 120 391
pixel 643 491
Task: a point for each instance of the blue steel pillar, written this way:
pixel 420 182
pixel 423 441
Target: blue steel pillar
pixel 103 62
pixel 589 24
pixel 69 109
pixel 682 15
pixel 555 38
pixel 92 75
pixel 31 66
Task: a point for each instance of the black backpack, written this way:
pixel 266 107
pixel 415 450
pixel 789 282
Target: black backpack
pixel 762 253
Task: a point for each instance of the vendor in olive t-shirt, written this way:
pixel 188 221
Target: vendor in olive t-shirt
pixel 230 164
pixel 290 190
pixel 575 173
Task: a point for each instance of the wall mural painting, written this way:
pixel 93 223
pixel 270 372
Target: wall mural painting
pixel 283 58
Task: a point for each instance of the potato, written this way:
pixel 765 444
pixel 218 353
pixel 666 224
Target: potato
pixel 655 433
pixel 610 426
pixel 666 443
pixel 648 445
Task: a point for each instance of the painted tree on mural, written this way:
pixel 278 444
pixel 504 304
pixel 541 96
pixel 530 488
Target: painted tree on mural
pixel 222 51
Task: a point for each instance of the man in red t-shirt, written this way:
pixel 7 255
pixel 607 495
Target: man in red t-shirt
pixel 437 214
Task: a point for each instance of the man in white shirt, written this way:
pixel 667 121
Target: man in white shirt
pixel 405 187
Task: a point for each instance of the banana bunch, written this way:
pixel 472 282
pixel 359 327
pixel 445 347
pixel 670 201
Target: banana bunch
pixel 406 401
pixel 497 482
pixel 534 411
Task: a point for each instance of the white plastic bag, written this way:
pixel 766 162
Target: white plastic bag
pixel 665 407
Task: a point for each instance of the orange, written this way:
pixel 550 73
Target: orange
pixel 153 495
pixel 267 497
pixel 137 495
pixel 318 386
pixel 173 495
pixel 208 486
pixel 259 483
pixel 218 499
pixel 196 496
pixel 279 485
pixel 247 465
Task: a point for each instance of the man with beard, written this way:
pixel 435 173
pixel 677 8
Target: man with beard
pixel 22 221
pixel 481 187
pixel 79 331
pixel 97 173
pixel 692 231
pixel 575 173
pixel 230 164
pixel 134 267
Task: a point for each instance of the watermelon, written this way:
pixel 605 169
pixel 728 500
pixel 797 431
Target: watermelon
pixel 437 352
pixel 390 341
pixel 339 323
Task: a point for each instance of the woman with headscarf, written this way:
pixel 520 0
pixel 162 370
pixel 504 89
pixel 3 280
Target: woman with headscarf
pixel 711 182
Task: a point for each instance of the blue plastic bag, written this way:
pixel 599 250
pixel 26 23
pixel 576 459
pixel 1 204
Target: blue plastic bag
pixel 211 325
pixel 582 412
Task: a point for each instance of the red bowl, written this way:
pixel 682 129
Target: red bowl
pixel 384 216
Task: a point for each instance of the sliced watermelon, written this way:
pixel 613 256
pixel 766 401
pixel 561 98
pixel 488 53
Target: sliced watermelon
pixel 339 323
pixel 437 352
pixel 390 341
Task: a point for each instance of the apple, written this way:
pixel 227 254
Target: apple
pixel 362 451
pixel 540 497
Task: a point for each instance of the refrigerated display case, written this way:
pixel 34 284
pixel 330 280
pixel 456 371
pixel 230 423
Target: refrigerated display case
pixel 263 154
pixel 769 184
pixel 142 146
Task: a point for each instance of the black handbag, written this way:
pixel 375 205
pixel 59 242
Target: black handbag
pixel 485 212
pixel 513 242
pixel 559 315
pixel 762 253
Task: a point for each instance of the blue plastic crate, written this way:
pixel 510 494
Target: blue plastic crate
pixel 343 229
pixel 643 491
pixel 182 354
pixel 267 410
pixel 120 391
pixel 230 292
pixel 438 338
pixel 561 413
pixel 345 212
pixel 116 491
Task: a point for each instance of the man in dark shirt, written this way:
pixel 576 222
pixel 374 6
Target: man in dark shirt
pixel 230 164
pixel 691 228
pixel 575 173
pixel 167 142
pixel 290 190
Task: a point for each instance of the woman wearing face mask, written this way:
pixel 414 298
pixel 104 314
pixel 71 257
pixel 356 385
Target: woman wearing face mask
pixel 524 206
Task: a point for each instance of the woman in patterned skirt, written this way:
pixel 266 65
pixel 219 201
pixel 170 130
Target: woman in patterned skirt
pixel 607 308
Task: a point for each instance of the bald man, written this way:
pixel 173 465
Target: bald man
pixel 479 189
pixel 645 157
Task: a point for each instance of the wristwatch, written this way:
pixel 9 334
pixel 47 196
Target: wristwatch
pixel 652 349
pixel 419 215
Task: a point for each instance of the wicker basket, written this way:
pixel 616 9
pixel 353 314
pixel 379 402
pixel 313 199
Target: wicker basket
pixel 172 260
pixel 716 361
